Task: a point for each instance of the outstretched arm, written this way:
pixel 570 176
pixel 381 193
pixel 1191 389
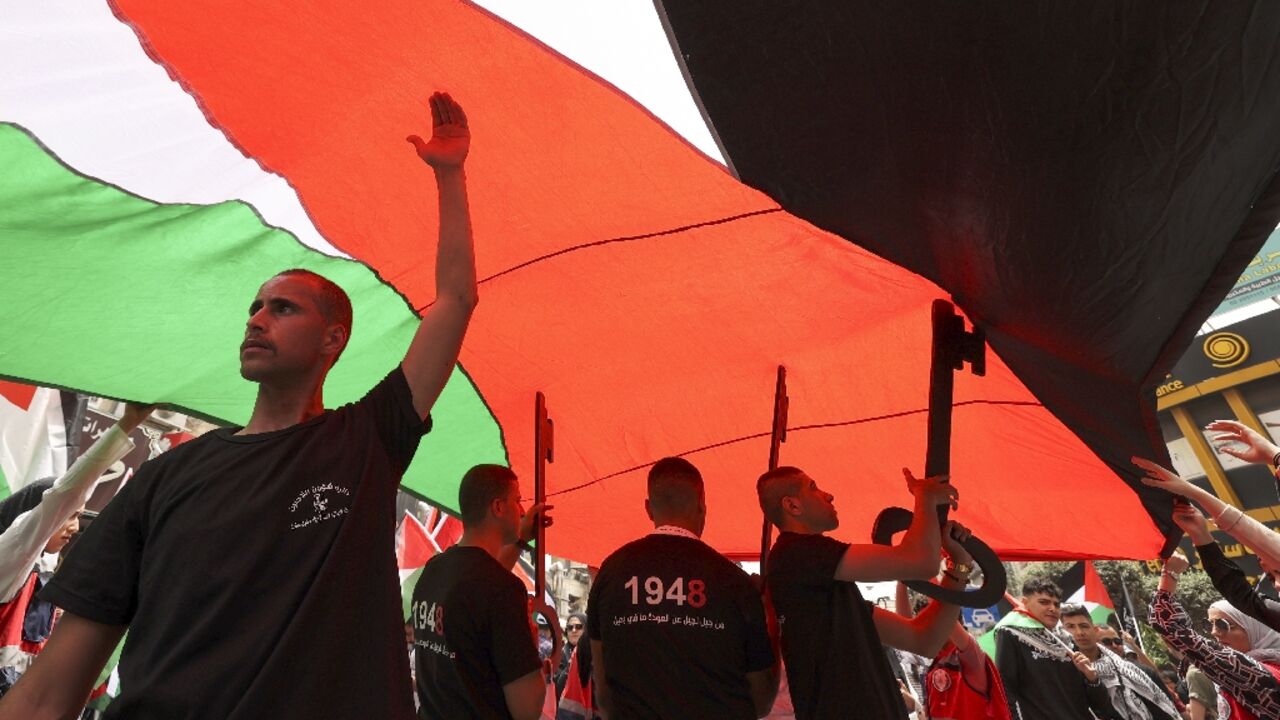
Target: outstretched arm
pixel 926 633
pixel 1243 442
pixel 973 661
pixel 24 540
pixel 435 347
pixel 540 513
pixel 59 681
pixel 1227 577
pixel 1233 671
pixel 916 557
pixel 1230 519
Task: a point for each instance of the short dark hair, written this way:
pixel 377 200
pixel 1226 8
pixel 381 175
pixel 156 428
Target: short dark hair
pixel 675 486
pixel 480 486
pixel 774 485
pixel 1070 610
pixel 332 300
pixel 1044 586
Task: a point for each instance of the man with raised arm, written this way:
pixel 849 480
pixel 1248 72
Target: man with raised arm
pixel 676 629
pixel 252 566
pixel 831 637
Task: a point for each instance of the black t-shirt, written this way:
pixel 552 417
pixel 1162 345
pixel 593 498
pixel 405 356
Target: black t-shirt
pixel 836 667
pixel 1044 686
pixel 471 629
pixel 681 627
pixel 257 573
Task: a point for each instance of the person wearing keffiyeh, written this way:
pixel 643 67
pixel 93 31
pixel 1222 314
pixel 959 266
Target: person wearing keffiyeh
pixel 1044 678
pixel 1133 693
pixel 1242 657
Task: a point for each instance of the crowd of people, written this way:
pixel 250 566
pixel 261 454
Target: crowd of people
pixel 253 569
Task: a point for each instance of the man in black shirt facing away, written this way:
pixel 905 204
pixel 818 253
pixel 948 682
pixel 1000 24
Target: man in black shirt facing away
pixel 476 654
pixel 1043 678
pixel 831 637
pixel 676 629
pixel 252 564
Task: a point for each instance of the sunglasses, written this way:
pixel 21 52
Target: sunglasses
pixel 1222 626
pixel 573 626
pixel 1112 642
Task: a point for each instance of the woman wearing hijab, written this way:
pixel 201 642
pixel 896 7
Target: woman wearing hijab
pixel 1242 657
pixel 38 519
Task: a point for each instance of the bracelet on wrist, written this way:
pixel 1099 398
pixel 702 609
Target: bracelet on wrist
pixel 1170 574
pixel 1275 460
pixel 1225 525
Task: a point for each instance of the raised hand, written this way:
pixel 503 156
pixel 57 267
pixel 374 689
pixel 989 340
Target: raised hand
pixel 953 534
pixel 934 491
pixel 1085 666
pixel 529 523
pixel 1157 476
pixel 1257 448
pixel 134 414
pixel 1177 562
pixel 450 137
pixel 1130 640
pixel 1192 522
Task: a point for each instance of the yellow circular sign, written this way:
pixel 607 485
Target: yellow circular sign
pixel 1226 349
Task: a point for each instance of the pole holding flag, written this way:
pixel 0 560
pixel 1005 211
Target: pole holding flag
pixel 781 404
pixel 1133 617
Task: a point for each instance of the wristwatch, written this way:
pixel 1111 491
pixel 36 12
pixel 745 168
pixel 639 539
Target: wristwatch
pixel 962 568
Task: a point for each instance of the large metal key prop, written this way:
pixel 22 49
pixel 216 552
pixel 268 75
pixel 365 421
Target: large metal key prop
pixel 543 444
pixel 952 348
pixel 779 435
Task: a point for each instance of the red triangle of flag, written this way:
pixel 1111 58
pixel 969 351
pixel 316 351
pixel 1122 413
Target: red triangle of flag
pixel 17 393
pixel 449 532
pixel 1094 590
pixel 416 548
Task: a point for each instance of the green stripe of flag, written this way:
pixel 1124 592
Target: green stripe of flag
pixel 115 295
pixel 1011 619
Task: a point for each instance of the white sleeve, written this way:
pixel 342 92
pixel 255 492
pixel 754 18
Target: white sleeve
pixel 23 542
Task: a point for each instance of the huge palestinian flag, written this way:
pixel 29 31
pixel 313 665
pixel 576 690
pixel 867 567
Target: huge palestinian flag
pixel 162 159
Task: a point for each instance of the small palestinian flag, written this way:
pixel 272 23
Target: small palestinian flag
pixel 32 435
pixel 1082 585
pixel 417 543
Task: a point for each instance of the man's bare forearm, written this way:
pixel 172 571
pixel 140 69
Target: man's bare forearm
pixel 921 546
pixel 59 681
pixel 936 621
pixel 455 254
